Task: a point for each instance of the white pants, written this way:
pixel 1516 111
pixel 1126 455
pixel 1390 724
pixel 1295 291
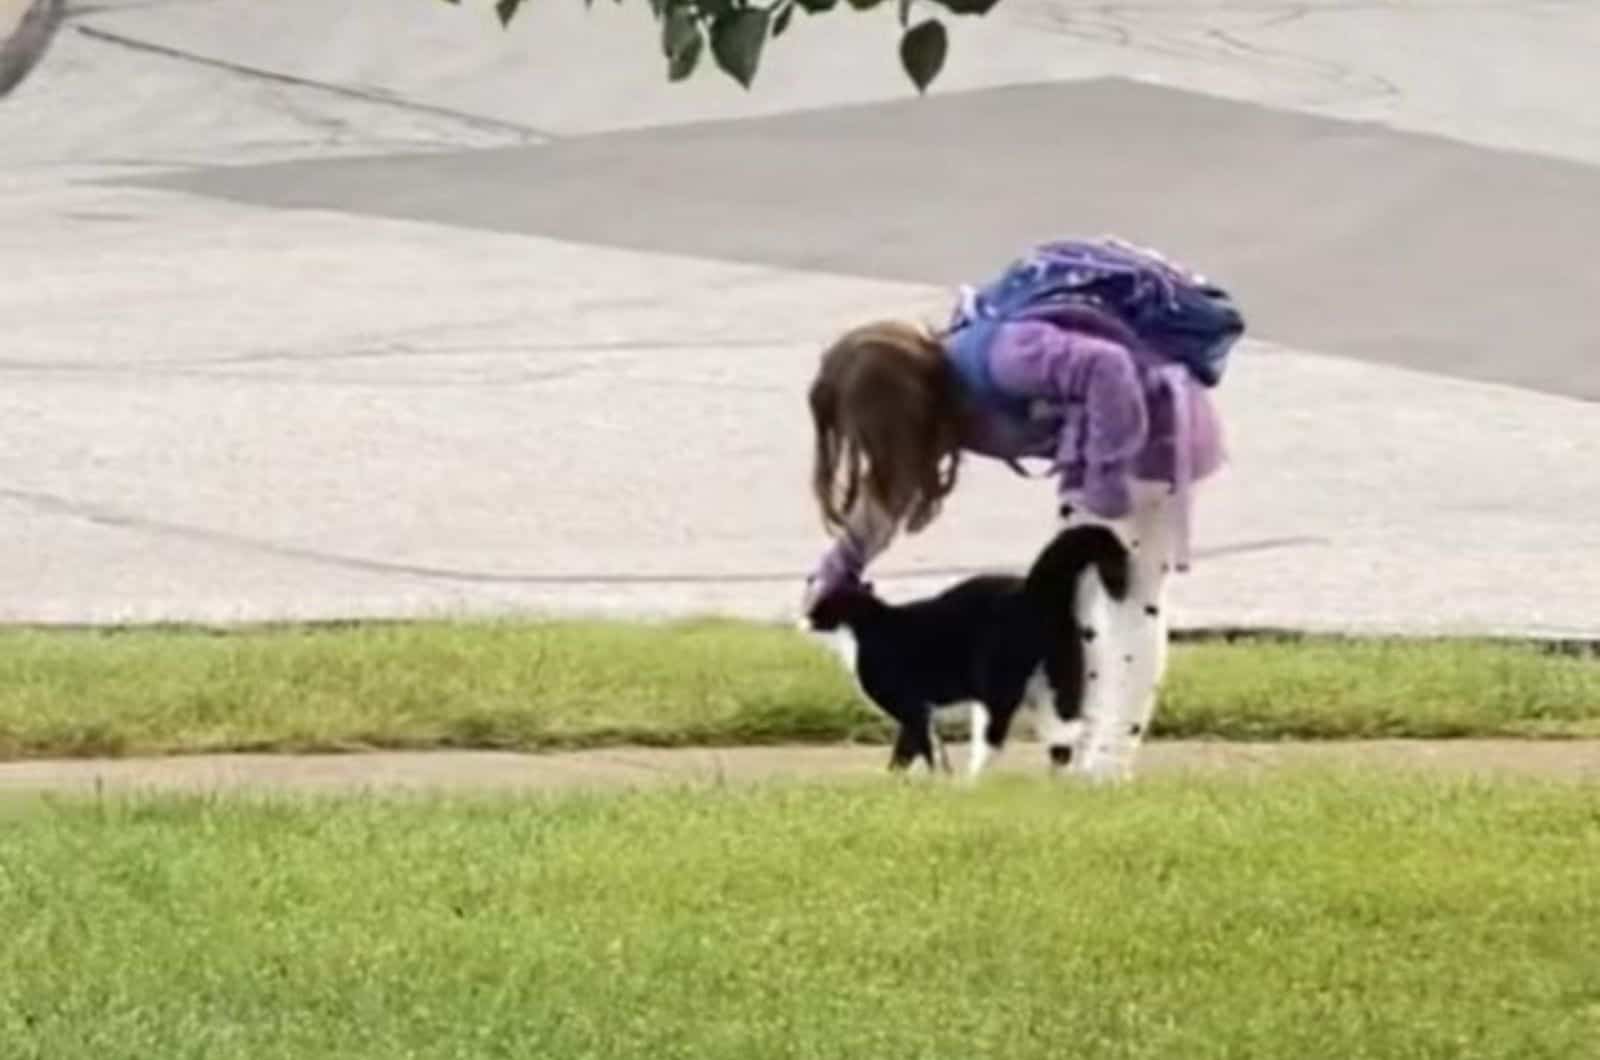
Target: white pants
pixel 1125 642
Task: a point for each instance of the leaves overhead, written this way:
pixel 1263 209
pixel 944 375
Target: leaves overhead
pixel 736 42
pixel 507 10
pixel 738 31
pixel 922 52
pixel 681 42
pixel 967 7
pixel 780 21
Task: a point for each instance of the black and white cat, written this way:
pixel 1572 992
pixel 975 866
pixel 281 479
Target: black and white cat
pixel 995 641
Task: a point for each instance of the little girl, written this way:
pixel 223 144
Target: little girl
pixel 1127 429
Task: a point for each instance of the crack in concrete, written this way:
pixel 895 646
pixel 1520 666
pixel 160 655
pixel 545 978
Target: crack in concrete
pixel 100 515
pixel 1119 25
pixel 374 97
pixel 396 350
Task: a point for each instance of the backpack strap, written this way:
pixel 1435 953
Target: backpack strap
pixel 1016 466
pixel 967 350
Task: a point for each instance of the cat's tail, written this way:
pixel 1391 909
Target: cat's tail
pixel 1053 579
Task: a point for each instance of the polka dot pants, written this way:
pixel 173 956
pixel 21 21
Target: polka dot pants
pixel 1125 642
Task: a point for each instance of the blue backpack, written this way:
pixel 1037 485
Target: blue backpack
pixel 1177 315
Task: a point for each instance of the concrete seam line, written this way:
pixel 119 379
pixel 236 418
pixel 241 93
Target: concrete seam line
pixel 362 95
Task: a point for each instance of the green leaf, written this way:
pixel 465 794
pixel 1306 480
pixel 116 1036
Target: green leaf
pixel 780 21
pixel 922 52
pixel 714 9
pixel 683 64
pixel 681 42
pixel 967 7
pixel 736 42
pixel 865 5
pixel 817 7
pixel 507 10
pixel 679 31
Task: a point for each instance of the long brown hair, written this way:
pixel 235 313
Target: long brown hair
pixel 887 417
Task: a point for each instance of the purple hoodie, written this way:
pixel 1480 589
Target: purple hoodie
pixel 1101 414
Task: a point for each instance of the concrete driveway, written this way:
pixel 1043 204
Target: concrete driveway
pixel 378 310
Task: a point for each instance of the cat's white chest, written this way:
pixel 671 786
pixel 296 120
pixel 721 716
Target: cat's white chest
pixel 843 644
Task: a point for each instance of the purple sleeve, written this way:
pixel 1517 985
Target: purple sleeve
pixel 1105 422
pixel 841 565
pixel 867 534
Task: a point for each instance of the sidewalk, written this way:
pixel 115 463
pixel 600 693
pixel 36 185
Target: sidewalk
pixel 634 768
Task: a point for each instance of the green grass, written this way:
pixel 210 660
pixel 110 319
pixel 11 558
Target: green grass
pixel 1329 916
pixel 570 684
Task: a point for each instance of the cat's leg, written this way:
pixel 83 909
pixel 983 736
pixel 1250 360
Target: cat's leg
pixel 915 738
pixel 978 747
pixel 904 751
pixel 1080 746
pixel 1058 721
pixel 991 723
pixel 936 742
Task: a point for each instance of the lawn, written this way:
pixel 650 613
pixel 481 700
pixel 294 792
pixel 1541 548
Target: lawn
pixel 1334 915
pixel 546 685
